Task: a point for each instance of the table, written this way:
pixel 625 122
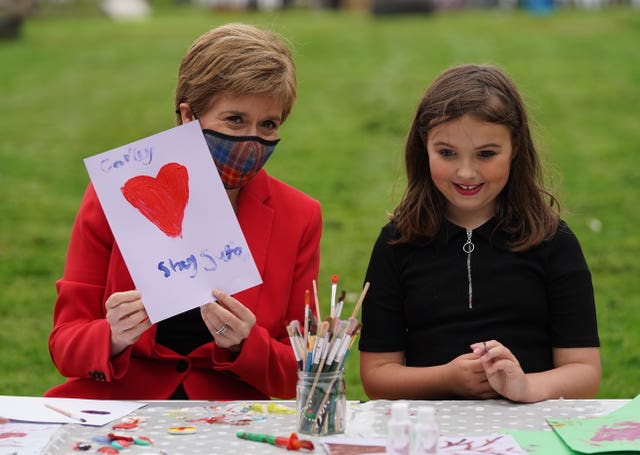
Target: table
pixel 368 419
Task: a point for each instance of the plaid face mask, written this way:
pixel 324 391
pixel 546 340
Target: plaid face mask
pixel 238 158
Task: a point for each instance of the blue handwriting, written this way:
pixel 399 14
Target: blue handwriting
pixel 132 155
pixel 204 259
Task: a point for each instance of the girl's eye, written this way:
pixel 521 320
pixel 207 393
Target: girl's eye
pixel 446 153
pixel 486 153
pixel 234 119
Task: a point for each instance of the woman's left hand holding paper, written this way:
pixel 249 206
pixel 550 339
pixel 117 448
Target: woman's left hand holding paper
pixel 228 320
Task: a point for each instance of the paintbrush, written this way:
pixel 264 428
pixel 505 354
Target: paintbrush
pixel 334 290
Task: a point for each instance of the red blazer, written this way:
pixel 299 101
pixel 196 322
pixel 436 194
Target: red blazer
pixel 282 227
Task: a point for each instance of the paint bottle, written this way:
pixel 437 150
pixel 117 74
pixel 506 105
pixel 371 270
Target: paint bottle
pixel 425 432
pixel 399 429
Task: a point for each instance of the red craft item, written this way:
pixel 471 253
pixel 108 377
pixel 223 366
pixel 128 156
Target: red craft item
pixel 107 449
pixel 125 426
pixel 119 437
pixel 290 443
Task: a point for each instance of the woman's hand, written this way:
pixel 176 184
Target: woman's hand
pixel 128 319
pixel 467 378
pixel 503 370
pixel 228 320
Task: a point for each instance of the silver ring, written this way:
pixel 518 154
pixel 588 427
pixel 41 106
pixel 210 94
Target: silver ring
pixel 222 329
pixel 485 347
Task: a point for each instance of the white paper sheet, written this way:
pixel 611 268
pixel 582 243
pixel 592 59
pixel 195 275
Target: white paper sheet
pixel 172 220
pixel 451 445
pixel 94 412
pixel 21 438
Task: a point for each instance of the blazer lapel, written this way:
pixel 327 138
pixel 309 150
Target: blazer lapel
pixel 256 217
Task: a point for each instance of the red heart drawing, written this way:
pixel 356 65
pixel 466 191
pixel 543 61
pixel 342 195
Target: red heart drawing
pixel 162 199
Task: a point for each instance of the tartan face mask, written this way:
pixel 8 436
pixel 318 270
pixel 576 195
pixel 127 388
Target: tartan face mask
pixel 238 158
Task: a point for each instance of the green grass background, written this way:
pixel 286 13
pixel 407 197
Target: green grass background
pixel 72 87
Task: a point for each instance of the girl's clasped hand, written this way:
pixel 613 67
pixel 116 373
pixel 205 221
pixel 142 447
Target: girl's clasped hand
pixel 502 370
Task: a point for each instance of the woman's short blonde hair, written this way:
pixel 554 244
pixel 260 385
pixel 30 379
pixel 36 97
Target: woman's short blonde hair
pixel 239 59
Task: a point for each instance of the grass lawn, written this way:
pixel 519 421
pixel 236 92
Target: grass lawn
pixel 74 87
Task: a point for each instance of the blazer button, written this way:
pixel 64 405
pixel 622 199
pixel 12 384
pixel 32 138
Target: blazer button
pixel 229 374
pixel 97 375
pixel 182 366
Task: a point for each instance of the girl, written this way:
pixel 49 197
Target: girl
pixel 478 288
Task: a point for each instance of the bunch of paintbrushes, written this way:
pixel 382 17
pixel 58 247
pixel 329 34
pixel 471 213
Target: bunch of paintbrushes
pixel 321 348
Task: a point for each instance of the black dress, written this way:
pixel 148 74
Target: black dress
pixel 419 300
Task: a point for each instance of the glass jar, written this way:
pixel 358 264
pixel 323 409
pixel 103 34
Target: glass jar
pixel 321 403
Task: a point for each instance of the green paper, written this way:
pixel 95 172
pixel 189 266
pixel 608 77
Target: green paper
pixel 618 431
pixel 540 442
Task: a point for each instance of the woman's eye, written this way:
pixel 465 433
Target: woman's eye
pixel 234 119
pixel 270 125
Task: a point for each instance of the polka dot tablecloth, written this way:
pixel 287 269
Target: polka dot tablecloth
pixel 217 423
pixel 477 418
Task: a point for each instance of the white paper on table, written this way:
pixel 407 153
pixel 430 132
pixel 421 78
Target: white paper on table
pixel 95 412
pixel 453 445
pixel 23 438
pixel 175 258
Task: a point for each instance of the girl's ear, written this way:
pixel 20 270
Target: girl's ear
pixel 186 113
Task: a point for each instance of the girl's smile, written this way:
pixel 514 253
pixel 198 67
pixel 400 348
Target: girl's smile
pixel 468 190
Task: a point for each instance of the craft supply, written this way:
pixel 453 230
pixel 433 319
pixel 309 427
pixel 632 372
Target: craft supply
pixel 81 446
pixel 64 413
pixel 334 290
pixel 348 349
pixel 399 429
pixel 360 300
pixel 142 441
pixel 114 436
pixel 101 439
pixel 290 443
pixel 181 430
pixel 320 398
pixel 132 419
pixel 321 402
pixel 275 408
pixel 298 351
pixel 425 432
pixel 315 298
pixel 125 426
pixel 119 444
pixel 340 304
pixel 319 346
pixel 306 323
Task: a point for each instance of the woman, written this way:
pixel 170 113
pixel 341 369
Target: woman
pixel 239 83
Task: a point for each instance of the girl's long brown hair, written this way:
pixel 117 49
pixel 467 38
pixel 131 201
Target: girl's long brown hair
pixel 526 210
